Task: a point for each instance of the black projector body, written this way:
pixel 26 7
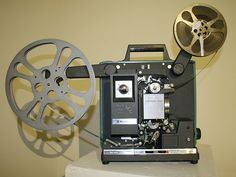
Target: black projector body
pixel 148 113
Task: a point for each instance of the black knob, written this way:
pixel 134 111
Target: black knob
pixel 123 89
pixel 198 133
pixel 178 68
pixel 110 69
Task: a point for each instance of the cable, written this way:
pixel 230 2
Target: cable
pixel 91 133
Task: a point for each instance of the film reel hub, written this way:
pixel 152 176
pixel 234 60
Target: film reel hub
pixel 48 80
pixel 201 28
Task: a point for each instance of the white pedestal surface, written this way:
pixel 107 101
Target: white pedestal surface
pixel 91 166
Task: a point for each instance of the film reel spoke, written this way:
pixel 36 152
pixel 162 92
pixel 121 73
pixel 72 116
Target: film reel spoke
pixel 70 59
pixel 218 18
pixel 16 74
pixel 201 40
pixel 58 55
pixel 194 18
pixel 217 25
pixel 216 30
pixel 78 110
pixel 190 24
pixel 194 40
pixel 190 20
pixel 30 107
pixel 27 64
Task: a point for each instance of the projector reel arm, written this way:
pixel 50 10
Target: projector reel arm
pixel 181 62
pixel 105 70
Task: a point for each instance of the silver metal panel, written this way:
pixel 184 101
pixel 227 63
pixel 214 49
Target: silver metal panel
pixel 124 121
pixel 153 106
pixel 149 151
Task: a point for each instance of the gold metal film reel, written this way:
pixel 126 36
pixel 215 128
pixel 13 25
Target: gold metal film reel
pixel 200 30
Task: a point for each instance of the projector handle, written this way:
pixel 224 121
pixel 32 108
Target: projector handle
pixel 147 48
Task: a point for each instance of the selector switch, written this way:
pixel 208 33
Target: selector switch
pixel 124 89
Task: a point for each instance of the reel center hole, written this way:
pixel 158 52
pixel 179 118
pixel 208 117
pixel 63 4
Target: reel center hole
pixel 59 81
pixel 46 73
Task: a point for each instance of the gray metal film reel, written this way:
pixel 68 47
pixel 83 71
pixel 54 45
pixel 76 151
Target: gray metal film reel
pixel 200 30
pixel 49 78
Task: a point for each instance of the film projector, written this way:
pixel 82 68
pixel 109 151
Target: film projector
pixel 147 107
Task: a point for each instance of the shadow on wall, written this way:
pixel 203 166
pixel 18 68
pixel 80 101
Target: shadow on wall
pixel 89 131
pixel 48 144
pixel 52 144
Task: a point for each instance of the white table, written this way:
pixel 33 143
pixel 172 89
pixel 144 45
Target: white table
pixel 91 166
